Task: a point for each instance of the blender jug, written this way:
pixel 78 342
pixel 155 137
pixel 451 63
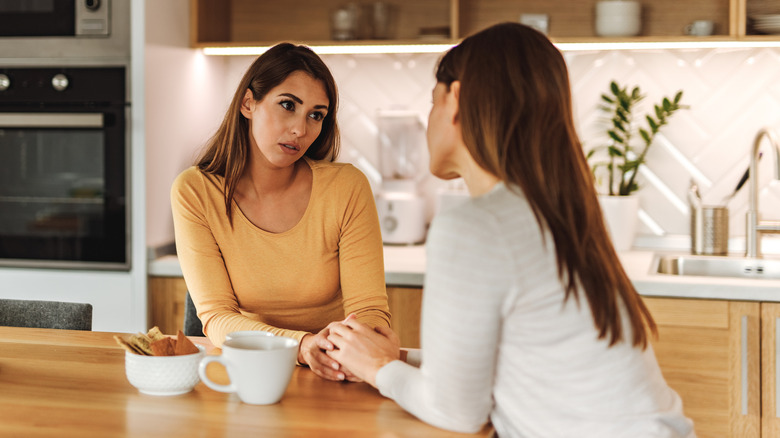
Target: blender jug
pixel 401 209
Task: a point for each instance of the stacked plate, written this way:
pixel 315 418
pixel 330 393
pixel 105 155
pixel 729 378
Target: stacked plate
pixel 767 23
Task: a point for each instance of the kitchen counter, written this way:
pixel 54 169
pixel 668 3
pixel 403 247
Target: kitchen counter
pixel 405 266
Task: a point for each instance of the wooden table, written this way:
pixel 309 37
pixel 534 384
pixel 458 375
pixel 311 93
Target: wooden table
pixel 71 383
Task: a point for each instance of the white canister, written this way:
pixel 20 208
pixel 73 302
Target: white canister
pixel 618 18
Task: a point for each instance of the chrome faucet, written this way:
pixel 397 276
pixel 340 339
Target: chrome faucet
pixel 756 227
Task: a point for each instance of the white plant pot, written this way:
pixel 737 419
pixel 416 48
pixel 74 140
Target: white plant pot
pixel 621 218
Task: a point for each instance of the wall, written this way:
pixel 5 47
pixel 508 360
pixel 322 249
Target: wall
pixel 732 93
pixel 184 105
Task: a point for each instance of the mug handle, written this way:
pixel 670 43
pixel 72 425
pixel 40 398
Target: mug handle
pixel 202 372
pixel 688 29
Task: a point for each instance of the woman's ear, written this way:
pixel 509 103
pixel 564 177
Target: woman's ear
pixel 248 104
pixel 454 100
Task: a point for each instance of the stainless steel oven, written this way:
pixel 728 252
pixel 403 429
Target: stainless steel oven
pixel 64 167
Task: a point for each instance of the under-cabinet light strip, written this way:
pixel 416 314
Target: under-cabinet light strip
pixel 338 50
pixel 438 48
pixel 662 45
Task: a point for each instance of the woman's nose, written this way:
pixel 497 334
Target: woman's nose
pixel 299 126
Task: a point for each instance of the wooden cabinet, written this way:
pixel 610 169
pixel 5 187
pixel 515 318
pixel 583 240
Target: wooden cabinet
pixel 405 304
pixel 166 303
pixel 770 370
pixel 250 22
pixel 722 358
pixel 167 294
pixel 709 352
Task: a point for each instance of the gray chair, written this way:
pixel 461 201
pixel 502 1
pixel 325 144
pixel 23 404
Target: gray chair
pixel 46 314
pixel 192 324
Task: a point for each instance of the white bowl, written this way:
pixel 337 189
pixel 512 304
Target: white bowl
pixel 618 18
pixel 163 375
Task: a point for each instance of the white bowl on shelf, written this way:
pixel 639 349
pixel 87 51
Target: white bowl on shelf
pixel 618 18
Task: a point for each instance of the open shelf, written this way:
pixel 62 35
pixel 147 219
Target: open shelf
pixel 245 23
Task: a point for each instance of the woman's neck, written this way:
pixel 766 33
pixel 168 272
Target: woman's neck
pixel 265 180
pixel 478 180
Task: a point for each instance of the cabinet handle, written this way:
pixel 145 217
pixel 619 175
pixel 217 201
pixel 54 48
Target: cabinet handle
pixel 777 367
pixel 744 363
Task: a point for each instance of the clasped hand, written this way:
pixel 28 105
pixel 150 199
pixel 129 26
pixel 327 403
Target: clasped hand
pixel 349 350
pixel 362 349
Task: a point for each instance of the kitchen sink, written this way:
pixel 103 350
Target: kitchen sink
pixel 710 266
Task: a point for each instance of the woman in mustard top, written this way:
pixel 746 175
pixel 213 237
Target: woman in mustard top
pixel 272 234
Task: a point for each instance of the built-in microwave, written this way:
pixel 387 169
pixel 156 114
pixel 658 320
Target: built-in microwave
pixel 55 18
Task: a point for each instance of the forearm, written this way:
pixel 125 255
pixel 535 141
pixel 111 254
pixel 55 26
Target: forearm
pixel 218 323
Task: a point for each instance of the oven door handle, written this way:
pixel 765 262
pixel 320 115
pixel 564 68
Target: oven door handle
pixel 51 120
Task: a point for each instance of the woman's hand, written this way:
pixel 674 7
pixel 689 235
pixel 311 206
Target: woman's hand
pixel 312 353
pixel 362 349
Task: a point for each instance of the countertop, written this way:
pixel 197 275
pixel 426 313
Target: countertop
pixel 405 266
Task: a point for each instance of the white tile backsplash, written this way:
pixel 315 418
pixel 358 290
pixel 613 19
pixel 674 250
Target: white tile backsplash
pixel 732 93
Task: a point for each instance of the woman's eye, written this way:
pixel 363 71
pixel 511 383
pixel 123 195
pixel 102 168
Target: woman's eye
pixel 289 105
pixel 317 116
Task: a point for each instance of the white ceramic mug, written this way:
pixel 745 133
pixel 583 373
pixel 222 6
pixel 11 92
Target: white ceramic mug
pixel 245 333
pixel 259 367
pixel 700 28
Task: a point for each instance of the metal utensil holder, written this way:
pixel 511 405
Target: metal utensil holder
pixel 709 230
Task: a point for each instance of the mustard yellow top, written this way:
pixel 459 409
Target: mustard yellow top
pixel 327 266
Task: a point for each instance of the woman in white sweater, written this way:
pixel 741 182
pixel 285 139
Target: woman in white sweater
pixel 528 319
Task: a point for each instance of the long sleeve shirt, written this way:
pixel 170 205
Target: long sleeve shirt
pixel 498 341
pixel 292 283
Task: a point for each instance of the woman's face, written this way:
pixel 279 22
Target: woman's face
pixel 443 134
pixel 287 120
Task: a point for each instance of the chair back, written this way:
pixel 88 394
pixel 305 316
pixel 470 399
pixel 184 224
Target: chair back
pixel 46 314
pixel 192 324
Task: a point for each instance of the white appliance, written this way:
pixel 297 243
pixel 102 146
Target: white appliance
pixel 402 156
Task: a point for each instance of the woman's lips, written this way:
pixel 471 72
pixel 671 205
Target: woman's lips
pixel 290 148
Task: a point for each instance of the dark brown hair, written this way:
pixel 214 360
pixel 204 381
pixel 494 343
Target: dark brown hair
pixel 516 118
pixel 227 152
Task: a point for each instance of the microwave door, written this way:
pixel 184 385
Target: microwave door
pixel 38 18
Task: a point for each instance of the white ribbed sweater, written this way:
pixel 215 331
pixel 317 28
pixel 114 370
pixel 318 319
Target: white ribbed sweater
pixel 499 343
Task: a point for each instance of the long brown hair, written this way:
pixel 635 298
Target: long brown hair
pixel 516 119
pixel 227 152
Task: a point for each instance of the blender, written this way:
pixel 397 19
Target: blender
pixel 400 207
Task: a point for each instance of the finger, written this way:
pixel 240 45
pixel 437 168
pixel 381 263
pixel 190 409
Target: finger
pixel 328 374
pixel 316 357
pixel 334 354
pixel 340 330
pixel 335 340
pixel 354 324
pixel 350 317
pixel 326 367
pixel 323 343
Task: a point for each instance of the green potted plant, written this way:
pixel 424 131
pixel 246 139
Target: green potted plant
pixel 626 150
